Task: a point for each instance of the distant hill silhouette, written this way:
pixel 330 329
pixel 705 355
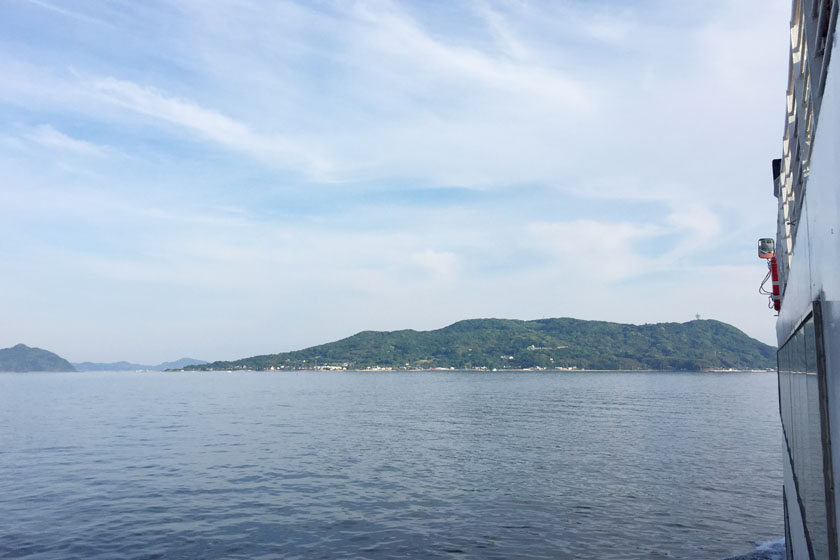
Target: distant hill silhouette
pixel 128 366
pixel 546 343
pixel 24 358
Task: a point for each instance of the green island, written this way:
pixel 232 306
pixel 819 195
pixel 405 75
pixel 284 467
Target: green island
pixel 21 358
pixel 545 344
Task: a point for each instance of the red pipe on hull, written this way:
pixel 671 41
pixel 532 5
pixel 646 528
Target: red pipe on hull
pixel 774 275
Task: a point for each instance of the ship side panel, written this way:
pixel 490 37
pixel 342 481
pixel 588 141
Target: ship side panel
pixel 814 276
pixel 797 546
pixel 823 195
pixel 796 304
pixel 830 311
pixel 823 227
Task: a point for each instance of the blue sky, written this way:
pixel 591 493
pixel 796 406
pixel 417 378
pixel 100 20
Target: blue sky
pixel 230 178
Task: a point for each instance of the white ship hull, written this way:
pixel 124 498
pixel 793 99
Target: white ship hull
pixel 808 250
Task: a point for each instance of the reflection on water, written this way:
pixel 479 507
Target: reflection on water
pixel 388 465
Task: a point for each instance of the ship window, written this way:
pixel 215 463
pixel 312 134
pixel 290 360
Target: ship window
pixel 802 423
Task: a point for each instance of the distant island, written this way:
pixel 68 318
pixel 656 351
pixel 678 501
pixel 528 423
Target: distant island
pixel 23 358
pixel 129 366
pixel 545 344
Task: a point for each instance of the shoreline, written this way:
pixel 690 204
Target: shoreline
pixel 467 370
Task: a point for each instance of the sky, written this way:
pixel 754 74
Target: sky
pixel 232 178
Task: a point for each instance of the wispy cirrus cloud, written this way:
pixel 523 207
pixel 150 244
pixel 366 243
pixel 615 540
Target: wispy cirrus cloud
pixel 307 170
pixel 274 149
pixel 63 11
pixel 47 136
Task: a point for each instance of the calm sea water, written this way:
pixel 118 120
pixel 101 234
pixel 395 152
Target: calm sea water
pixel 388 465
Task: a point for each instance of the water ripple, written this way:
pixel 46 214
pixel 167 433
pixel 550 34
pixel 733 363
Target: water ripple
pixel 359 465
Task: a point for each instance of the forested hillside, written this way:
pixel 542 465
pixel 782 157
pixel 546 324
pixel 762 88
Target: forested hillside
pixel 25 358
pixel 545 343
